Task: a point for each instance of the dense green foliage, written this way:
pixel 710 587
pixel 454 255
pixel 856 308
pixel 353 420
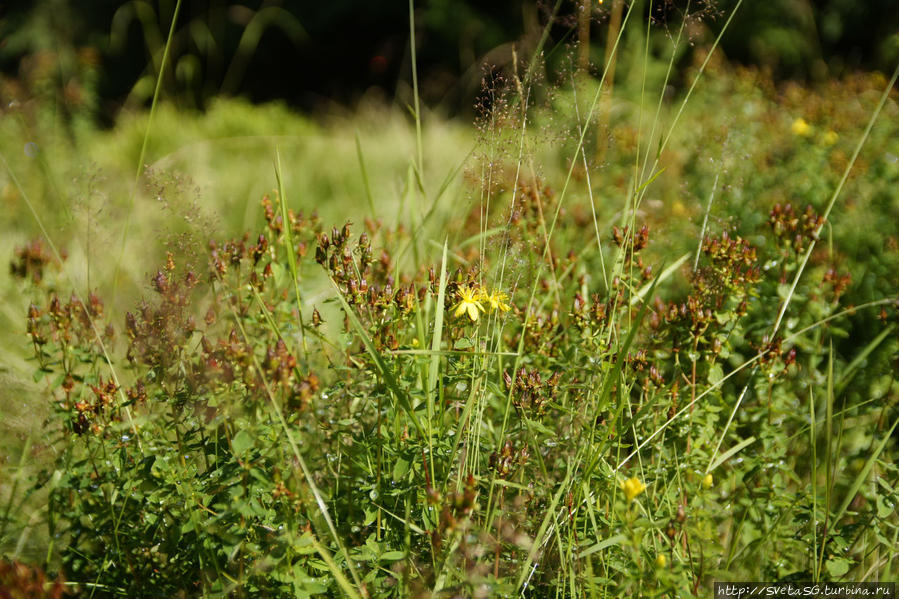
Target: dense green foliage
pixel 93 57
pixel 628 358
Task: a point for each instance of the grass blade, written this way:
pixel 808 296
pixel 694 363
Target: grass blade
pixel 730 452
pixel 291 251
pixel 389 377
pixel 863 474
pixel 434 369
pixel 143 146
pixel 364 171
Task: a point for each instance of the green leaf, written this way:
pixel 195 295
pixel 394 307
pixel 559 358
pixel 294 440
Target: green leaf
pixel 305 545
pixel 241 442
pixel 393 556
pixel 463 343
pixel 616 540
pixel 370 516
pixel 837 566
pixel 280 275
pixel 883 510
pixel 400 468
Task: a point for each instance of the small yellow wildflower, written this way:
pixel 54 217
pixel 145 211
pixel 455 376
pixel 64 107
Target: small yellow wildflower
pixel 496 300
pixel 801 128
pixel 661 560
pixel 829 138
pixel 632 487
pixel 468 302
pixel 708 481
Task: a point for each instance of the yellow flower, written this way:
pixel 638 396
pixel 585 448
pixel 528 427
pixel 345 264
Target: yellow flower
pixel 496 300
pixel 708 481
pixel 801 128
pixel 632 487
pixel 468 302
pixel 829 138
pixel 661 561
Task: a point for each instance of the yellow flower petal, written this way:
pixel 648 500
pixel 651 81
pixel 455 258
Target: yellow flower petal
pixel 801 127
pixel 632 487
pixel 468 302
pixel 472 311
pixel 496 300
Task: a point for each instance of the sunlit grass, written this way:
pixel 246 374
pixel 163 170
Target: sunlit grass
pixel 537 359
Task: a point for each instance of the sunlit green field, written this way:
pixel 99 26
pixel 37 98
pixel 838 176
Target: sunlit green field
pixel 587 345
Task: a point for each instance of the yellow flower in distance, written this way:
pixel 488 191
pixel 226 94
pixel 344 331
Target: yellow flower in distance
pixel 661 560
pixel 830 137
pixel 801 128
pixel 496 300
pixel 632 487
pixel 708 481
pixel 468 302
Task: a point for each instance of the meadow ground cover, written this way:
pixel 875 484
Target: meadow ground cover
pixel 592 346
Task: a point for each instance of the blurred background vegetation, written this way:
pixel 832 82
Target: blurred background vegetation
pixel 94 58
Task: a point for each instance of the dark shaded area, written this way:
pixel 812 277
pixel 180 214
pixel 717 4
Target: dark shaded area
pixel 814 39
pixel 314 54
pixel 308 54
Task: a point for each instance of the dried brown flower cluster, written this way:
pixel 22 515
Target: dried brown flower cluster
pixel 67 323
pixel 31 260
pixel 158 333
pixel 19 581
pixel 508 460
pixel 794 231
pixel 530 393
pixel 368 283
pixel 731 272
pixel 456 509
